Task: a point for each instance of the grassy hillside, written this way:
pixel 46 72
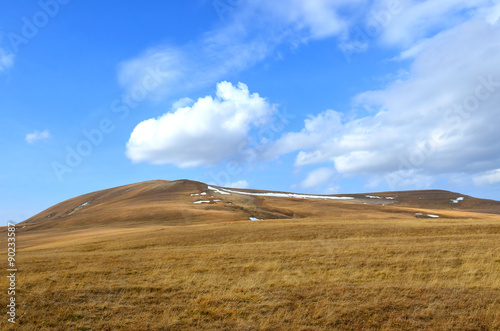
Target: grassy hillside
pixel 185 202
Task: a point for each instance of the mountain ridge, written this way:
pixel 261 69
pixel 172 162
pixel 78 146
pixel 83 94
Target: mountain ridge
pixel 184 202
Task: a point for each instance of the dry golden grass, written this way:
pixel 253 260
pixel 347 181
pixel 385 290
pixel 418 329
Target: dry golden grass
pixel 312 273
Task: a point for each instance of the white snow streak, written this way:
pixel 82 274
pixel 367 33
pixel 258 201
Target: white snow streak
pixel 289 195
pixel 457 200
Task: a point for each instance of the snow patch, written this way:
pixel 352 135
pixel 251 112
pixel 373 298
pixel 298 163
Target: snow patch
pixel 373 197
pixel 457 200
pixel 255 219
pixel 289 195
pixel 428 215
pixel 202 201
pixel 390 198
pixel 217 190
pixel 71 211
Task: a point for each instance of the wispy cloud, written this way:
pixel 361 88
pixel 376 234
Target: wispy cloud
pixel 423 19
pixel 237 184
pixel 37 136
pixel 189 67
pixel 6 60
pixel 319 177
pixel 440 119
pixel 256 29
pixel 251 34
pixel 487 178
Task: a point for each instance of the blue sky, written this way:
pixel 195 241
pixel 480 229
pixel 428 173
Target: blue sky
pixel 310 96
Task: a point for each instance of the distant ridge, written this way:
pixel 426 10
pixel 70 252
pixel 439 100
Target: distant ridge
pixel 187 202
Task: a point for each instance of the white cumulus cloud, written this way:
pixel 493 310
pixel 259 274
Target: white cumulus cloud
pixel 205 133
pixel 37 136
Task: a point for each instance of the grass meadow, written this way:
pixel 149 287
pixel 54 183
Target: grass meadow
pixel 300 274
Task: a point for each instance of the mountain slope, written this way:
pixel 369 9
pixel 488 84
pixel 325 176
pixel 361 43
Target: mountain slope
pixel 184 202
pixel 152 202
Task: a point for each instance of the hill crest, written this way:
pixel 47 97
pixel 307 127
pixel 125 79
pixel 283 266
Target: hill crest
pixel 184 202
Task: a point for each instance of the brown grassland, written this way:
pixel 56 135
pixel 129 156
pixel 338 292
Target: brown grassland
pixel 356 271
